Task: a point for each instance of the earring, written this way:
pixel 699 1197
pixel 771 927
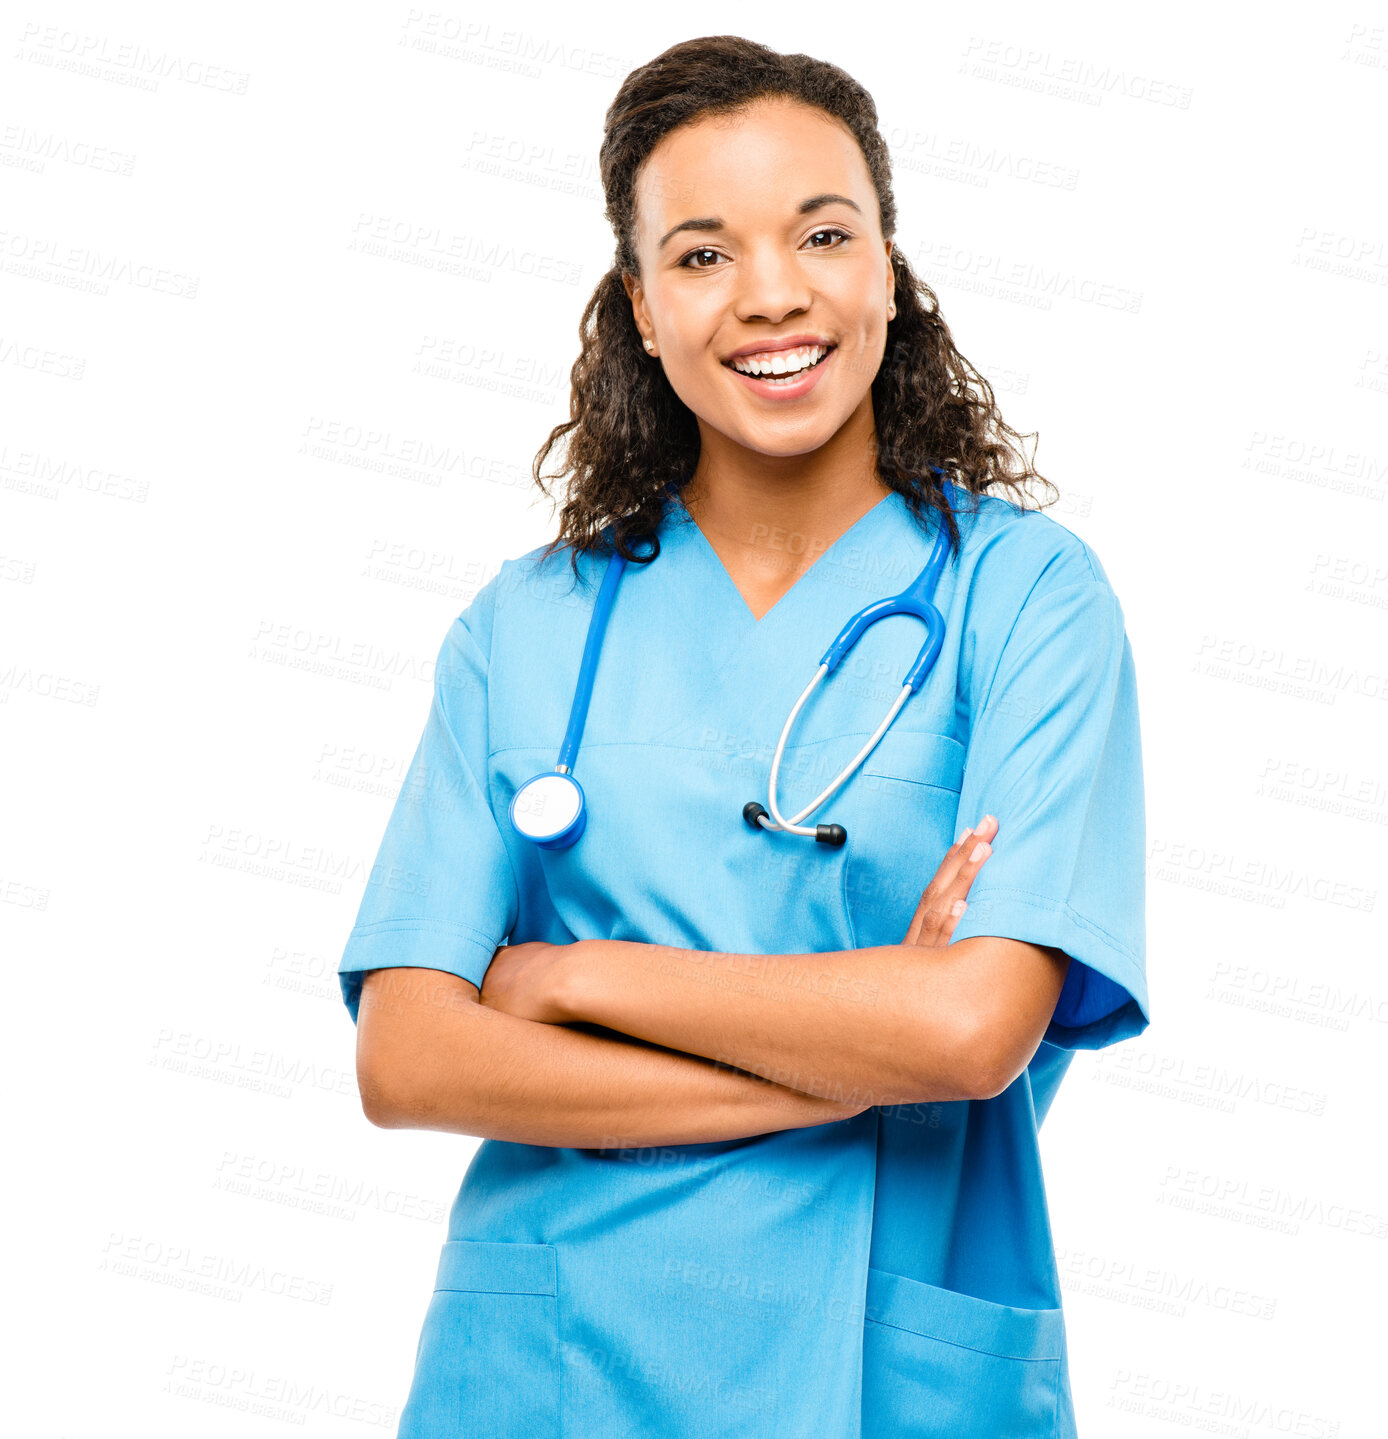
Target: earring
pixel 650 344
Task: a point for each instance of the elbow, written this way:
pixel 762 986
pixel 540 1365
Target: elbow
pixel 414 1096
pixel 981 1066
pixel 401 1043
pixel 991 1081
pixel 988 1064
pixel 378 1073
pixel 379 1101
pixel 391 1070
pixel 401 1098
pixel 959 1065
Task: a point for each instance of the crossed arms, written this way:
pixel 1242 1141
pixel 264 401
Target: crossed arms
pixel 614 1044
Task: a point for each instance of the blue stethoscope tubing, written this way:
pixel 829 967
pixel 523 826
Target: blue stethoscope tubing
pixel 550 809
pixel 916 599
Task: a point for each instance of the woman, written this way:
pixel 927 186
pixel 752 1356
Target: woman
pixel 760 1116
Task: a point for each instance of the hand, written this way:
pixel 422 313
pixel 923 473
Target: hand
pixel 935 916
pixel 522 981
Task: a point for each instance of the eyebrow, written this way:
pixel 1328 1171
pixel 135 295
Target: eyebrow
pixel 713 222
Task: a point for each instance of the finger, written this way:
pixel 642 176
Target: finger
pixel 955 914
pixel 951 883
pixel 957 875
pixel 937 923
pixel 924 909
pixel 960 853
pixel 931 894
pixel 935 904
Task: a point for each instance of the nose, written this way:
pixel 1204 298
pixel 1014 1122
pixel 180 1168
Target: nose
pixel 772 286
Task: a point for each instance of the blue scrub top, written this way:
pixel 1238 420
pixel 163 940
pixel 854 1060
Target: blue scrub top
pixel 885 1275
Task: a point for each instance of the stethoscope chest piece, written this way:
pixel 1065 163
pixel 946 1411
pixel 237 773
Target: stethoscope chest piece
pixel 549 810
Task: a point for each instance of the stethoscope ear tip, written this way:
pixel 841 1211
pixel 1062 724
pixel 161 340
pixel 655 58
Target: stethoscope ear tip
pixel 753 813
pixel 834 835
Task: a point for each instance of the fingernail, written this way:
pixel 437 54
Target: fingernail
pixel 965 835
pixel 958 908
pixel 979 850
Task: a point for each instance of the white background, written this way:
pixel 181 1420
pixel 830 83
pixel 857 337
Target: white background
pixel 253 463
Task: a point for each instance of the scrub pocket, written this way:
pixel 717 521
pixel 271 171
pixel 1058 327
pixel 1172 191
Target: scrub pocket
pixel 900 821
pixel 488 1358
pixel 937 1363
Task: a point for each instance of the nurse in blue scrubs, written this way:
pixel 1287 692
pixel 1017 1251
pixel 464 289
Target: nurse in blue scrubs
pixel 759 1109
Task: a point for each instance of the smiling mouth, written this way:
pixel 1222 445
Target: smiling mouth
pixel 782 380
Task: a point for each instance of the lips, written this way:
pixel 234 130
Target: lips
pixel 774 388
pixel 768 357
pixel 773 347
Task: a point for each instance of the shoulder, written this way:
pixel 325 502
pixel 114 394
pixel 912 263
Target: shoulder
pixel 1038 619
pixel 1001 533
pixel 1019 548
pixel 527 587
pixel 1029 585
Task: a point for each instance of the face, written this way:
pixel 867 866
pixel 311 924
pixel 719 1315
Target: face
pixel 753 231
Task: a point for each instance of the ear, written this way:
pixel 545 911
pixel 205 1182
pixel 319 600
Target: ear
pixel 639 313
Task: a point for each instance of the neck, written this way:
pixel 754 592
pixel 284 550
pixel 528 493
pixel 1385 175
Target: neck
pixel 774 504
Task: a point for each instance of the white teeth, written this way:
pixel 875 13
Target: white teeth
pixel 782 362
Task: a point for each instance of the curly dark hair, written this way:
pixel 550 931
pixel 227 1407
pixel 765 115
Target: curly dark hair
pixel 632 440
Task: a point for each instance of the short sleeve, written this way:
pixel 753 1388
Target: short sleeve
pixel 1055 754
pixel 442 893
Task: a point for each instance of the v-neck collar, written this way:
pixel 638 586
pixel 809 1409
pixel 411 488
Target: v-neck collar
pixel 678 517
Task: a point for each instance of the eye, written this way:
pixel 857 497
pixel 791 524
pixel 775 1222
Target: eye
pixel 832 230
pixel 706 250
pixel 685 265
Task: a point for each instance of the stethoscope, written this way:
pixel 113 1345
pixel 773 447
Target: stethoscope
pixel 550 809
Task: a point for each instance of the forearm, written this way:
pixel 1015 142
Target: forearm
pixel 891 1024
pixel 472 1070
